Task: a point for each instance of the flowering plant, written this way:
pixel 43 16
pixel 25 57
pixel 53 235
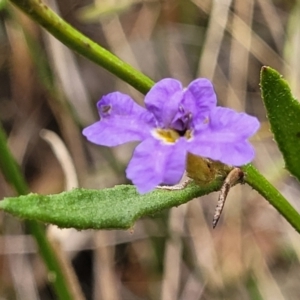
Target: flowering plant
pixel 175 122
pixel 177 128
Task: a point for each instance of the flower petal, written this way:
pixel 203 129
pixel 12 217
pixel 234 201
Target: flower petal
pixel 230 121
pixel 121 121
pixel 234 154
pixel 198 100
pixel 154 163
pixel 225 137
pixel 203 93
pixel 163 100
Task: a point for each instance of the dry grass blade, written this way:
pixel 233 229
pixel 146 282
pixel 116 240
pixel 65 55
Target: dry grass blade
pixel 106 283
pixel 216 29
pixel 239 56
pixel 202 240
pixel 193 289
pixel 292 50
pixel 63 157
pixel 68 74
pixel 117 39
pixel 22 274
pixel 173 254
pixel 266 283
pixel 273 21
pixel 259 48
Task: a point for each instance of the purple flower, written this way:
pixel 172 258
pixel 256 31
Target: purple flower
pixel 176 121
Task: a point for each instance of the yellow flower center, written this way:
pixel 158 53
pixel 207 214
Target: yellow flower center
pixel 171 135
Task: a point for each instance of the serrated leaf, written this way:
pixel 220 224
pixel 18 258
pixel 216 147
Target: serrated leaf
pixel 113 208
pixel 283 112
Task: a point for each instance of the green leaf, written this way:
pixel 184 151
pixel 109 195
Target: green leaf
pixel 114 208
pixel 283 112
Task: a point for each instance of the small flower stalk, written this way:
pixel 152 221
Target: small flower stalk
pixel 175 121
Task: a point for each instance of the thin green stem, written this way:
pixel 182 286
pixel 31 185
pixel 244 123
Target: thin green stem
pixel 14 176
pixel 75 40
pixel 271 194
pixel 9 167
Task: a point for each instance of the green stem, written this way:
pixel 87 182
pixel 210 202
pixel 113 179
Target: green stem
pixel 75 40
pixel 13 175
pixel 271 194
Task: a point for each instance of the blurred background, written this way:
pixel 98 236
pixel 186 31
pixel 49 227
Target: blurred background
pixel 48 94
